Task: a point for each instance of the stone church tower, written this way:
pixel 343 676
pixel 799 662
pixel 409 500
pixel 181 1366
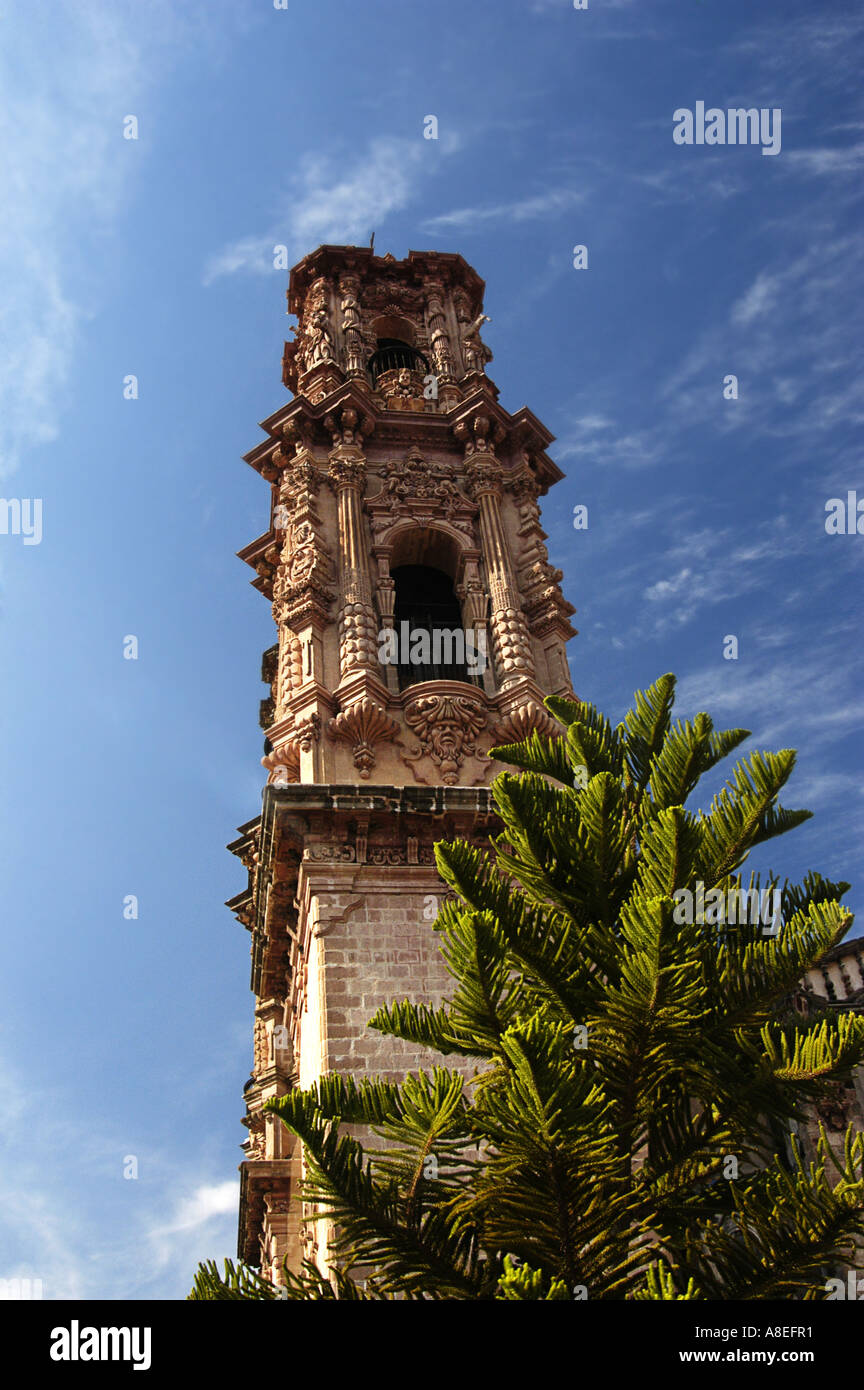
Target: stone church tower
pixel 419 623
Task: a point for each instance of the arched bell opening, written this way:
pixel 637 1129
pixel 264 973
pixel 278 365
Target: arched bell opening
pixel 427 618
pixel 393 354
pixel 395 347
pixel 430 637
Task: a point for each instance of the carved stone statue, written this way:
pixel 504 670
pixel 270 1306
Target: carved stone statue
pixel 476 352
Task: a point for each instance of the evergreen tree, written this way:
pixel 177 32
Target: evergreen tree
pixel 626 1130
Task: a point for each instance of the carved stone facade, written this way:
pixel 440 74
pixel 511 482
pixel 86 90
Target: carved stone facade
pixel 360 486
pixel 393 451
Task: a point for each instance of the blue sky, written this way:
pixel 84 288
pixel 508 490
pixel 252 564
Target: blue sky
pixel 153 257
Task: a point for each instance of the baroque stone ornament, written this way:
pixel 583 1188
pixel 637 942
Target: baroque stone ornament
pixel 423 491
pixel 475 353
pixel 283 764
pixel 520 723
pixel 349 287
pixel 480 436
pixel 307 731
pixel 474 350
pixel 330 853
pixel 438 335
pixel 447 726
pixel 256 1144
pixel 316 340
pixel 363 724
pixel 347 427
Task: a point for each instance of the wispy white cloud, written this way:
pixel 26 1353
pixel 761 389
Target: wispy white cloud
pixel 120 1238
pixel 200 1206
pixel 757 300
pixel 324 204
pixel 519 210
pixel 65 88
pixel 783 330
pixel 824 44
pixel 681 182
pixel 597 438
pixel 828 162
pixel 789 703
pixel 61 140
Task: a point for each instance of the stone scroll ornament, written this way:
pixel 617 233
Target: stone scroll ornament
pixel 283 763
pixel 520 723
pixel 363 724
pixel 447 727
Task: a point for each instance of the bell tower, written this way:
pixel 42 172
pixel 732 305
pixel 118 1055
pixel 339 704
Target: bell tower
pixel 419 624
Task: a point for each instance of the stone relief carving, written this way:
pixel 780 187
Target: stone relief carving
pixel 347 429
pixel 519 723
pixel 283 764
pixel 256 1145
pixel 307 731
pixel 447 726
pixel 475 350
pixel 351 326
pixel 414 481
pixel 439 338
pixel 278 1206
pixel 333 854
pixel 297 434
pixel 363 724
pixel 316 340
pixel 479 436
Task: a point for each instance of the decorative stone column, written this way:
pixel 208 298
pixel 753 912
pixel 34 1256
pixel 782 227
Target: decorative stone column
pixel 304 575
pixel 439 340
pixel 546 610
pixel 358 629
pixel 511 643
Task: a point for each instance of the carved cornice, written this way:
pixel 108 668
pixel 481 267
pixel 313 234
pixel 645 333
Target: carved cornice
pixel 259 1181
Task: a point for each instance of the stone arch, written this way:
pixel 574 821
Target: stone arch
pixel 394 326
pixel 435 545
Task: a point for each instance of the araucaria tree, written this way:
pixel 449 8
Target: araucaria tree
pixel 618 1126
